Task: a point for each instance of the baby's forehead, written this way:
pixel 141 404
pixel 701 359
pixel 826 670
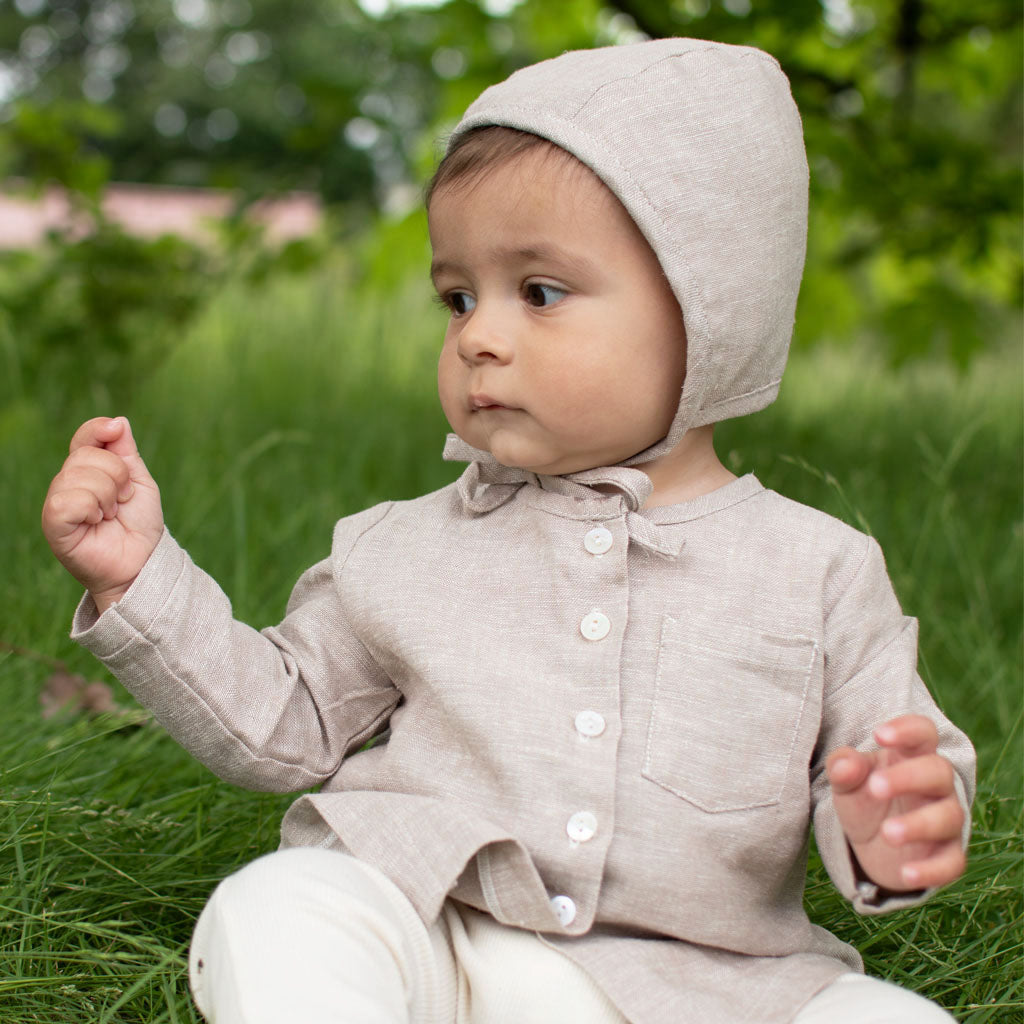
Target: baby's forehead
pixel 546 179
pixel 482 152
pixel 542 207
pixel 540 175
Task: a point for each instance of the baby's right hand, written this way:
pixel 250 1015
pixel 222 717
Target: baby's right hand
pixel 102 515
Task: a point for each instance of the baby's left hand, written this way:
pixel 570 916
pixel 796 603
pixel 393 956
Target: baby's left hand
pixel 898 807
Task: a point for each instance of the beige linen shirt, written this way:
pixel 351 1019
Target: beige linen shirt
pixel 607 725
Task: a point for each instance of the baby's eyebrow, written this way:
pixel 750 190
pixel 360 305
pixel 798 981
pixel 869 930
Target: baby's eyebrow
pixel 439 267
pixel 541 253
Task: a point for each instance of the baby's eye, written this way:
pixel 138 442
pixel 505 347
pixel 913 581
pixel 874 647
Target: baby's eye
pixel 543 294
pixel 457 303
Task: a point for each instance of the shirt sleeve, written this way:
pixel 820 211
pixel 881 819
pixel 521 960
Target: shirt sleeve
pixel 274 710
pixel 871 677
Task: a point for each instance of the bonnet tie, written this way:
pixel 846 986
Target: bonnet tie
pixel 487 484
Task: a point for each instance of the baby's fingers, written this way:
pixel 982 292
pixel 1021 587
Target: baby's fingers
pixel 937 822
pixel 909 735
pixel 110 484
pixel 65 511
pixel 941 868
pixel 848 769
pixel 87 490
pixel 930 776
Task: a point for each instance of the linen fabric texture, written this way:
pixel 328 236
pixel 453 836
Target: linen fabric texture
pixel 740 636
pixel 748 636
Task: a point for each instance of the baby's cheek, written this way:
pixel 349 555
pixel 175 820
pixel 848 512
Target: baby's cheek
pixel 448 391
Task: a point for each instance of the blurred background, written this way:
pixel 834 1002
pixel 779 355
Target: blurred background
pixel 211 221
pixel 912 111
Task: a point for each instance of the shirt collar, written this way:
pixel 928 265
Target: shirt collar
pixel 595 494
pixel 633 485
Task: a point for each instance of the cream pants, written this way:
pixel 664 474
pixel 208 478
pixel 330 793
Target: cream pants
pixel 312 936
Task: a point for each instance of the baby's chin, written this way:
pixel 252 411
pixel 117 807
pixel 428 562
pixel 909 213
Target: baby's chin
pixel 561 465
pixel 520 453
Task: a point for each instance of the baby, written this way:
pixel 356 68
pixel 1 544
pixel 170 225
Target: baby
pixel 616 682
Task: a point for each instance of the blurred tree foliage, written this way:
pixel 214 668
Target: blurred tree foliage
pixel 912 113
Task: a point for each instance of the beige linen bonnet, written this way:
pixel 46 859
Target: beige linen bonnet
pixel 702 144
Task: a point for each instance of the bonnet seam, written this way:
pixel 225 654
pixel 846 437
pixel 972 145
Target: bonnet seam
pixel 763 58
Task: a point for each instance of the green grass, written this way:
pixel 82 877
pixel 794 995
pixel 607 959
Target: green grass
pixel 281 412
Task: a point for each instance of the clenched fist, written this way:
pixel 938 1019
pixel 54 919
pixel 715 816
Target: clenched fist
pixel 102 515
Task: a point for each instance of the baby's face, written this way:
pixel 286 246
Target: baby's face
pixel 565 349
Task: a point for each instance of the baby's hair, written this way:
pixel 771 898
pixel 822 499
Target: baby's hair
pixel 482 149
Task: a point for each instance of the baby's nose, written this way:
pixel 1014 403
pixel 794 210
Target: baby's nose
pixel 484 338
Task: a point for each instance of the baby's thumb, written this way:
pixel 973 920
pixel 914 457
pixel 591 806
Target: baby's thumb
pixel 122 444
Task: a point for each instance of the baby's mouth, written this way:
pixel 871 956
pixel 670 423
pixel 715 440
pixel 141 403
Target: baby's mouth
pixel 484 403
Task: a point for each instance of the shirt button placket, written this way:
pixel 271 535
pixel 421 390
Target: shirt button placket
pixel 595 625
pixel 598 540
pixel 582 826
pixel 590 724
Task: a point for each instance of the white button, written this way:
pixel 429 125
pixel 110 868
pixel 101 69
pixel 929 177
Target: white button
pixel 590 724
pixel 565 910
pixel 581 826
pixel 598 541
pixel 595 626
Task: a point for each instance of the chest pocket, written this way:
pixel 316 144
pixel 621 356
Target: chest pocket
pixel 726 714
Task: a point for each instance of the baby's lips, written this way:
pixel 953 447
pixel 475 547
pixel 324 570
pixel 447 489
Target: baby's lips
pixel 482 401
